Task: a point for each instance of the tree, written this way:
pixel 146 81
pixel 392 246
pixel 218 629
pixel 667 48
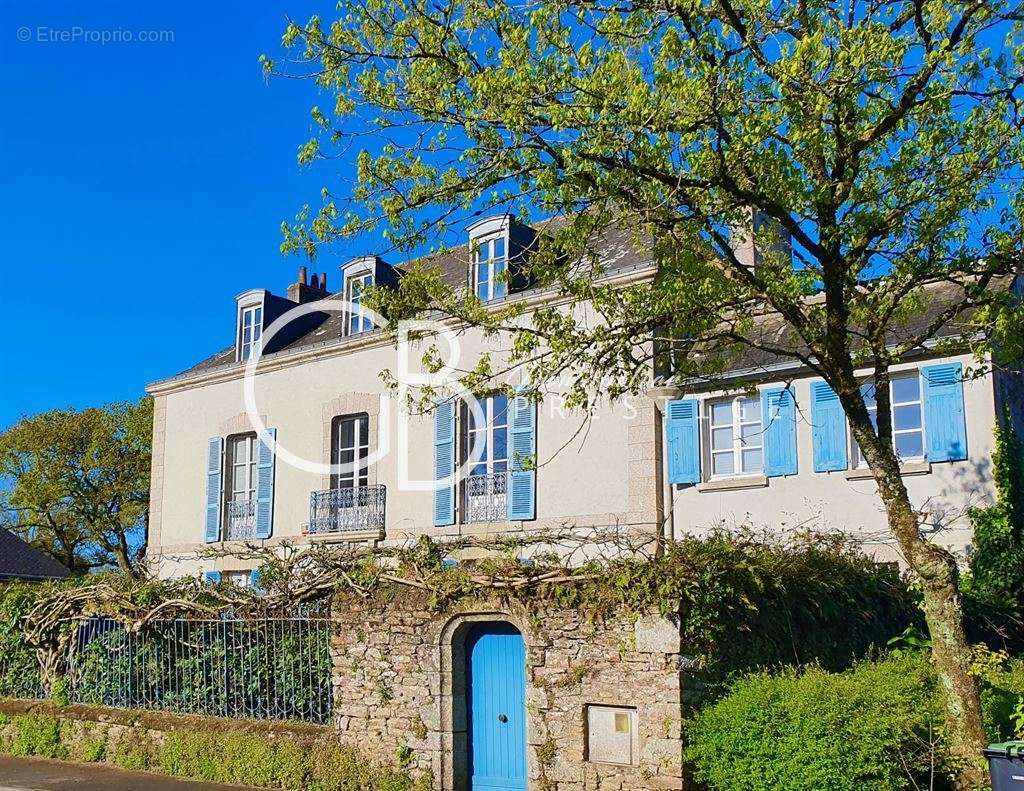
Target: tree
pixel 882 137
pixel 78 484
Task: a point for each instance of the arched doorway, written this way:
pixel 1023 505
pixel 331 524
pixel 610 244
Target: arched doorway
pixel 496 707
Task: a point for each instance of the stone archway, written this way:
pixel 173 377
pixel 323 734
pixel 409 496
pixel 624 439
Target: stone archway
pixel 454 768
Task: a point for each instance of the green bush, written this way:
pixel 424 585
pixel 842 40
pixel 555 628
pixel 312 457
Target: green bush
pixel 250 759
pixel 19 669
pixel 871 728
pixel 37 736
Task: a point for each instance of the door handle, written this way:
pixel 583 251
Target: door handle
pixel 503 718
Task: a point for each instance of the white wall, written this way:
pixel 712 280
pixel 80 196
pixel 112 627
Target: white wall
pixel 833 502
pixel 582 475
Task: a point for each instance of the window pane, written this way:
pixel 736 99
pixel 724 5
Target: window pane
pixel 477 448
pixel 905 417
pixel 750 410
pixel 909 445
pixel 499 247
pixel 500 466
pixel 500 443
pixel 483 273
pixel 258 316
pixel 721 413
pixel 721 438
pixel 906 388
pixel 238 483
pixel 500 288
pixel 752 460
pixel 868 391
pixel 500 409
pixel 751 434
pixel 346 457
pixel 721 464
pixel 347 433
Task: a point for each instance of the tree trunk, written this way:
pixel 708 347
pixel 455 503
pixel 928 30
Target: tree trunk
pixel 943 610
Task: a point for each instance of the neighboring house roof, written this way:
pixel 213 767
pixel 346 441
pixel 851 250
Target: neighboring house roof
pixel 18 560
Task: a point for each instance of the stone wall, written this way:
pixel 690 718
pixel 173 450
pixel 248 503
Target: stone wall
pixel 399 676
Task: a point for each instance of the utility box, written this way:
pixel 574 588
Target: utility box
pixel 1006 766
pixel 611 735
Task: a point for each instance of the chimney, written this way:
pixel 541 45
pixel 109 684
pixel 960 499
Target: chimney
pixel 301 291
pixel 756 238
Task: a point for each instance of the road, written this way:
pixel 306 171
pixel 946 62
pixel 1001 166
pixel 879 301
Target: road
pixel 33 774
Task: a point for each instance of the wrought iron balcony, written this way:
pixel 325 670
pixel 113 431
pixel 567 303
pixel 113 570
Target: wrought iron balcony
pixel 351 510
pixel 241 520
pixel 484 497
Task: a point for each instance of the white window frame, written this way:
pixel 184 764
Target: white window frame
pixel 488 428
pixel 858 462
pixel 249 317
pixel 364 324
pixel 484 253
pixel 360 449
pixel 248 441
pixel 738 445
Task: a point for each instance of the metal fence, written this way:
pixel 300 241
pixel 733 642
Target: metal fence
pixel 273 668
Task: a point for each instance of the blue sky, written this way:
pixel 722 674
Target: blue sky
pixel 142 186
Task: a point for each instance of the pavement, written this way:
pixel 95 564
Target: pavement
pixel 36 774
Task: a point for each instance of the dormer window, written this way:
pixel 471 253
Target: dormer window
pixel 358 320
pixel 250 331
pixel 490 261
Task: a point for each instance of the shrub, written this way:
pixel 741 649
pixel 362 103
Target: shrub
pixel 19 669
pixel 867 729
pixel 37 736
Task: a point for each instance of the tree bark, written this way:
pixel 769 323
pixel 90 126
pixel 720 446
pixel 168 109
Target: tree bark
pixel 944 615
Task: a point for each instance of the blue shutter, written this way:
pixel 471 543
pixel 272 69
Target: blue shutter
pixel 212 577
pixel 683 439
pixel 214 461
pixel 522 443
pixel 944 421
pixel 254 580
pixel 444 463
pixel 265 484
pixel 778 408
pixel 828 429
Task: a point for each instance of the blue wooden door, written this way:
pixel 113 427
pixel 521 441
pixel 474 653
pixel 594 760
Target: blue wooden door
pixel 496 692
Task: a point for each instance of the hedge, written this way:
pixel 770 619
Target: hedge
pixel 211 755
pixel 871 728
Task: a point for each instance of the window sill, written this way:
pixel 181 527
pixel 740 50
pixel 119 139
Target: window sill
pixel 725 484
pixel 911 468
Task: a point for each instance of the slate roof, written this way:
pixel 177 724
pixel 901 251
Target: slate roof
pixel 613 246
pixel 18 560
pixel 771 330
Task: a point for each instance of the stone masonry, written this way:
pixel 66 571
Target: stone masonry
pixel 399 681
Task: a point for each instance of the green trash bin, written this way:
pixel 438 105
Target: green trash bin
pixel 1006 766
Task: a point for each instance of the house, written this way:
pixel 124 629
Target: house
pixel 19 561
pixel 350 466
pixel 310 445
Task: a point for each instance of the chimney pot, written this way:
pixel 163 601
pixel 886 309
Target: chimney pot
pixel 313 282
pixel 323 281
pixel 302 275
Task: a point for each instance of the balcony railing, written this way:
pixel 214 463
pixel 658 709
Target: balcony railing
pixel 485 497
pixel 241 520
pixel 356 509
